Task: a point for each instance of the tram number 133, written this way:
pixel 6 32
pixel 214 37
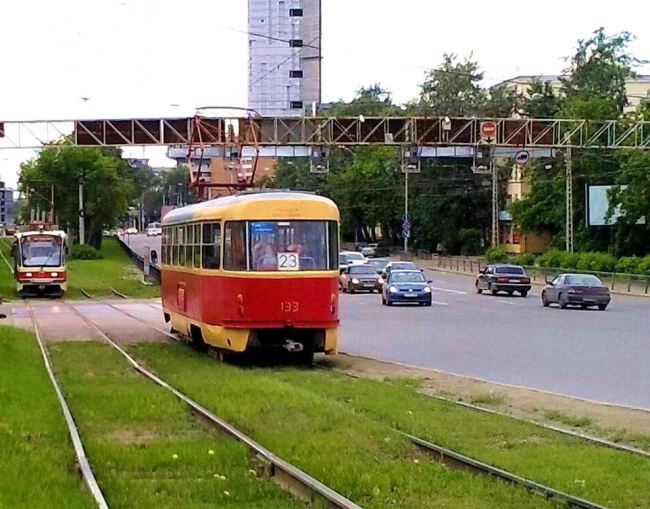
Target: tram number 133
pixel 288 261
pixel 289 306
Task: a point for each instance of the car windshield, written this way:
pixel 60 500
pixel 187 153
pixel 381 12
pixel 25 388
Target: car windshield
pixel 355 256
pixel 583 280
pixel 509 270
pixel 41 251
pixel 363 269
pixel 378 263
pixel 407 277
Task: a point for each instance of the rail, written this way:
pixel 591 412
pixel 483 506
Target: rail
pixel 283 473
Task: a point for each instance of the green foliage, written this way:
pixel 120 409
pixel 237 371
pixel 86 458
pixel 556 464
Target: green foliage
pixel 603 262
pixel 526 259
pixel 551 258
pixel 628 265
pixel 644 266
pixel 569 260
pixel 496 255
pixel 85 252
pixel 470 241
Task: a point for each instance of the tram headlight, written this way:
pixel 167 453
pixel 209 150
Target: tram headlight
pixel 355 281
pixel 28 274
pixel 54 274
pixel 392 289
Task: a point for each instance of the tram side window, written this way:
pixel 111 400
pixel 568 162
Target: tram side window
pixel 211 248
pixel 333 234
pixel 234 252
pixel 196 257
pixel 164 243
pixel 174 247
pixel 180 231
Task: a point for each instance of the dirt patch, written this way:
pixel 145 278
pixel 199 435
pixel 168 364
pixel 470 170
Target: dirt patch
pixel 131 436
pixel 607 421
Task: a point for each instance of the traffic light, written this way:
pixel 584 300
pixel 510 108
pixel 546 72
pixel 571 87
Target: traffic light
pixel 411 160
pixel 319 160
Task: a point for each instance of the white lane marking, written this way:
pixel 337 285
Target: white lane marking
pixel 440 303
pixel 448 290
pixel 509 303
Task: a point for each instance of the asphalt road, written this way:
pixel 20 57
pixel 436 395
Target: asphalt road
pixel 140 242
pixel 603 356
pixel 592 354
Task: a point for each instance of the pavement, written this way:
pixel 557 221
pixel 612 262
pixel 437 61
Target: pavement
pixel 602 356
pixel 140 243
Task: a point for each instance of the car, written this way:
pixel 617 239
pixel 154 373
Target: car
pixel 584 290
pixel 131 230
pixel 379 264
pixel 353 258
pixel 398 266
pixel 406 286
pixel 501 277
pixel 154 229
pixel 357 278
pixel 369 249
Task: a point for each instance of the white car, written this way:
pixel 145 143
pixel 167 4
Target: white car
pixel 154 229
pixel 354 257
pixel 369 250
pixel 131 231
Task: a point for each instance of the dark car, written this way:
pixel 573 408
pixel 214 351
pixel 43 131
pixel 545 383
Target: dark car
pixel 582 290
pixel 398 266
pixel 379 264
pixel 503 278
pixel 357 278
pixel 406 286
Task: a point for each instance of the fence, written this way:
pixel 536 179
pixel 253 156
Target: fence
pixel 154 272
pixel 624 283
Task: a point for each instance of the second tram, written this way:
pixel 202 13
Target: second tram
pixel 257 269
pixel 40 262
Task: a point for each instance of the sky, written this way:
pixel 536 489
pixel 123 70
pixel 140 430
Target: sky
pixel 149 58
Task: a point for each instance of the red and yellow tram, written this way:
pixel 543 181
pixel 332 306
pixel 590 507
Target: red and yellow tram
pixel 257 269
pixel 40 262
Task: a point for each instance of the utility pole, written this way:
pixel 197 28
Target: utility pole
pixel 82 222
pixel 406 209
pixel 52 214
pixel 495 200
pixel 569 200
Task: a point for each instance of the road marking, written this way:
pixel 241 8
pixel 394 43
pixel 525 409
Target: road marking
pixel 509 303
pixel 448 290
pixel 440 303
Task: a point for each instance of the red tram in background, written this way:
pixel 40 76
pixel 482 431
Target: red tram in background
pixel 257 269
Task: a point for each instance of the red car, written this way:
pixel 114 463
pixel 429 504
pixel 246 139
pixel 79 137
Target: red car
pixel 582 290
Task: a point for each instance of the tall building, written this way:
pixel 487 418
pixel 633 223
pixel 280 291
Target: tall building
pixel 284 62
pixel 6 206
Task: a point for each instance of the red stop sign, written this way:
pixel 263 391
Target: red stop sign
pixel 488 129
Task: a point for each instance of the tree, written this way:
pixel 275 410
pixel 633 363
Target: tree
pixel 369 101
pixel 108 183
pixel 541 101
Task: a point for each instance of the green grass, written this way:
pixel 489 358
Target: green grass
pixel 7 286
pixel 37 465
pixel 487 398
pixel 355 453
pixel 115 270
pixel 146 449
pixel 603 475
pixel 570 420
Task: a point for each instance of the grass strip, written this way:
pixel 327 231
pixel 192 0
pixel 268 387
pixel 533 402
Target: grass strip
pixel 353 453
pixel 7 283
pixel 115 270
pixel 37 469
pixel 606 476
pixel 146 448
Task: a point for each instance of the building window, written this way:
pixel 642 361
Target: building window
pixel 295 12
pixel 295 74
pixel 296 105
pixel 295 43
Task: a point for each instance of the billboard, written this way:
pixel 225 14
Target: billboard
pixel 598 205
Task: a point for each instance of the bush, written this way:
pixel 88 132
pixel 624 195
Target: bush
pixel 628 265
pixel 644 266
pixel 552 258
pixel 585 260
pixel 85 252
pixel 527 259
pixel 470 241
pixel 496 255
pixel 569 260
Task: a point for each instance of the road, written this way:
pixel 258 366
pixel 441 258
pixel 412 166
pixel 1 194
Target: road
pixel 603 356
pixel 140 242
pixel 597 355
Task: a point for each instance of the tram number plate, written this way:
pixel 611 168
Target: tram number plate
pixel 289 306
pixel 288 261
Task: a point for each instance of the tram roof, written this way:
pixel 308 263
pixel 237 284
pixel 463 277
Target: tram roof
pixel 52 233
pixel 258 205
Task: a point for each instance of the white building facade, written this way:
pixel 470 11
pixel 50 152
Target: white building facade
pixel 284 56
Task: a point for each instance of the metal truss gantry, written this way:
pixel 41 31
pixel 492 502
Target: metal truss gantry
pixel 331 131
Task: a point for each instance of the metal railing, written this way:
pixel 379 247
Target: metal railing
pixel 635 284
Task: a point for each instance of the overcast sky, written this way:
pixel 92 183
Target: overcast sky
pixel 139 57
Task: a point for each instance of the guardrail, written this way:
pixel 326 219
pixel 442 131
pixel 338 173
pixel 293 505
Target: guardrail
pixel 154 272
pixel 633 284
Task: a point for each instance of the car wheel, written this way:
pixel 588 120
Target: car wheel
pixel 389 302
pixel 524 293
pixel 602 307
pixel 478 289
pixel 350 288
pixel 545 302
pixel 493 290
pixel 562 301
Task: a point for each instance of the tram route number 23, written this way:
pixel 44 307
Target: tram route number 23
pixel 288 261
pixel 289 306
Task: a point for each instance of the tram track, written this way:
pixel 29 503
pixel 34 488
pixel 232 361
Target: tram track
pixel 448 457
pixel 83 464
pixel 286 475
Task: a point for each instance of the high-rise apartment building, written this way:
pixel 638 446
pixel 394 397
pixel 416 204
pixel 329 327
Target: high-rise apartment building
pixel 284 56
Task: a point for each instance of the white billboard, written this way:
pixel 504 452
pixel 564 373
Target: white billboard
pixel 598 205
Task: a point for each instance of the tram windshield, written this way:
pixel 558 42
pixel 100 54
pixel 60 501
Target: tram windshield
pixel 41 251
pixel 292 245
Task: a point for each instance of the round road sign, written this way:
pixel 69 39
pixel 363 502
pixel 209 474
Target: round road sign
pixel 522 157
pixel 488 129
